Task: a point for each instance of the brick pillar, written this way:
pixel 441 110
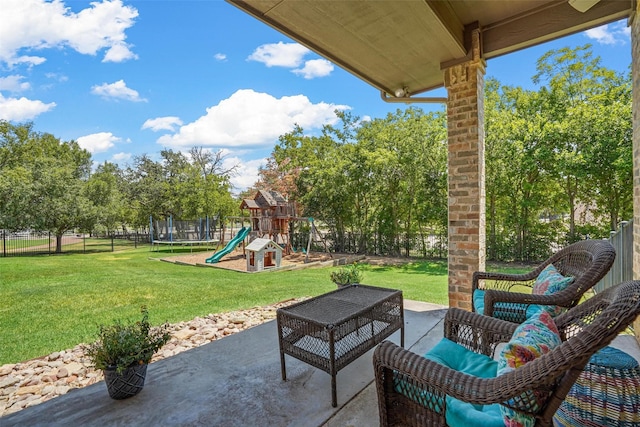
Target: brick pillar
pixel 465 128
pixel 635 65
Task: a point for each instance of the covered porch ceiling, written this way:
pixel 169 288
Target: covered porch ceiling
pixel 401 47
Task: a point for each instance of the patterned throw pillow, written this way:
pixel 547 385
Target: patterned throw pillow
pixel 538 335
pixel 548 282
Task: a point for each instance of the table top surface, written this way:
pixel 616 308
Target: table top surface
pixel 340 305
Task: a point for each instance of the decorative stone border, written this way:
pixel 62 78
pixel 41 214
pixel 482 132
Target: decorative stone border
pixel 35 381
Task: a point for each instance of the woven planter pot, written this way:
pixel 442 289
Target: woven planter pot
pixel 125 384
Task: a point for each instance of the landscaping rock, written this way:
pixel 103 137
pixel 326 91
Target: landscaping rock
pixel 35 381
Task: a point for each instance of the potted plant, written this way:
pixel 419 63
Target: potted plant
pixel 123 351
pixel 347 275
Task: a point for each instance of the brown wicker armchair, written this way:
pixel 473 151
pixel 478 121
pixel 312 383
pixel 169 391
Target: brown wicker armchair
pixel 508 296
pixel 584 329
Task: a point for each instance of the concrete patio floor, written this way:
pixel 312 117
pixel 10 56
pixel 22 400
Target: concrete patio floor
pixel 236 381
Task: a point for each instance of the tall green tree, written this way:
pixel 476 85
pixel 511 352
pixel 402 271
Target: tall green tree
pixel 589 106
pixel 379 185
pixel 106 189
pixel 43 182
pixel 185 186
pixel 518 159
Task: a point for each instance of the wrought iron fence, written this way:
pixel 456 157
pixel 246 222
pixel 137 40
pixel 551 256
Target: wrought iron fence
pixel 622 268
pixel 45 243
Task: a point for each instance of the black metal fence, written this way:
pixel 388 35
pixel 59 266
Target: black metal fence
pixel 45 243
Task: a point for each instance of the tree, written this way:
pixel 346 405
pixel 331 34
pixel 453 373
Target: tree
pixel 377 185
pixel 590 106
pixel 518 159
pixel 43 180
pixel 553 152
pixel 106 189
pixel 185 187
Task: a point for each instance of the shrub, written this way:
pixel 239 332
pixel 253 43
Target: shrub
pixel 121 345
pixel 347 275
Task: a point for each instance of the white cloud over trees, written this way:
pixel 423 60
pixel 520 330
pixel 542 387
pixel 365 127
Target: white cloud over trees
pixel 162 123
pixel 98 142
pixel 251 119
pixel 21 109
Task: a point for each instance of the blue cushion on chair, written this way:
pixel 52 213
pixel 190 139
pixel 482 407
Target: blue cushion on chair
pixel 459 413
pixel 533 309
pixel 498 309
pixel 478 301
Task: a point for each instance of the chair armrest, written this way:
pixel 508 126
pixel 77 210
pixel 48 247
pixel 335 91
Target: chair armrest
pixel 513 306
pixel 478 333
pixel 502 281
pixel 412 389
pixel 491 297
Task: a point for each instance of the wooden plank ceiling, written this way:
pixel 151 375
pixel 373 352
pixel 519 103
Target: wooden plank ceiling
pixel 394 44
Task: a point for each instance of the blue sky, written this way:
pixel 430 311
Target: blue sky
pixel 126 78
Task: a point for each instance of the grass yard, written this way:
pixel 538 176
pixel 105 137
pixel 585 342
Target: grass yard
pixel 52 303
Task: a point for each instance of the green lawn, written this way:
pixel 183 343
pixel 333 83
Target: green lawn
pixel 51 303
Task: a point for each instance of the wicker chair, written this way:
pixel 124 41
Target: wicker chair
pixel 584 329
pixel 586 261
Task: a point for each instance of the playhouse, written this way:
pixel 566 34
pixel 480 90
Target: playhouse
pixel 271 215
pixel 263 253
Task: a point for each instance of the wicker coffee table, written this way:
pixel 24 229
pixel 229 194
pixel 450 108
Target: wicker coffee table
pixel 332 330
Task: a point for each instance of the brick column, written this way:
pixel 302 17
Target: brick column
pixel 635 65
pixel 465 127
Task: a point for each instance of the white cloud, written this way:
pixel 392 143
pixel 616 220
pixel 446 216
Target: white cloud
pixel 117 90
pixel 19 109
pixel 25 59
pixel 291 55
pixel 220 57
pixel 610 34
pixel 41 24
pixel 280 54
pixel 98 142
pixel 162 123
pixel 119 53
pixel 121 157
pixel 246 172
pixel 315 68
pixel 13 83
pixel 57 77
pixel 251 119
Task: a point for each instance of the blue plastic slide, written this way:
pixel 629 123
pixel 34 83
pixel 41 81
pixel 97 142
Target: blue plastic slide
pixel 244 232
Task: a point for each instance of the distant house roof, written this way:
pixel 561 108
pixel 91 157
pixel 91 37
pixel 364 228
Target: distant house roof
pixel 260 244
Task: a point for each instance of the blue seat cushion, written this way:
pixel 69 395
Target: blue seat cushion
pixel 457 357
pixel 500 313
